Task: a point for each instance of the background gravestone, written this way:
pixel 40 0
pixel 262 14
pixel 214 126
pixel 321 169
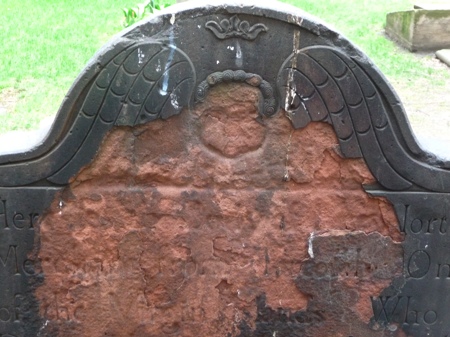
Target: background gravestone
pixel 241 214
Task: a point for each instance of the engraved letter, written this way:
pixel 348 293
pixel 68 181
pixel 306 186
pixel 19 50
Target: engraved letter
pixel 445 267
pixel 3 215
pixel 416 226
pixel 19 221
pixel 11 251
pixel 28 267
pixel 405 220
pixel 33 219
pixel 390 308
pixel 444 226
pixel 434 224
pixel 411 316
pixel 430 317
pixel 5 315
pixel 419 264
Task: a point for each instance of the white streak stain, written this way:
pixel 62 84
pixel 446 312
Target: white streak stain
pixel 304 106
pixel 174 101
pixel 162 92
pixel 43 327
pixel 61 204
pixel 140 56
pixel 290 80
pixel 310 245
pixel 239 60
pixel 165 83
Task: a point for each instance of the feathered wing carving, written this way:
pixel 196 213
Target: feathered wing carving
pixel 136 81
pixel 323 84
pixel 144 81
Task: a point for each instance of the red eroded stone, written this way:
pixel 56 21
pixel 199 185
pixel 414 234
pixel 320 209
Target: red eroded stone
pixel 201 225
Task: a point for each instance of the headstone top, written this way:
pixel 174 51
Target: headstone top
pixel 156 68
pixel 156 206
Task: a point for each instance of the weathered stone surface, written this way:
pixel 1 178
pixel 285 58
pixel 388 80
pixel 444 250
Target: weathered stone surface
pixel 420 29
pixel 178 230
pixel 173 231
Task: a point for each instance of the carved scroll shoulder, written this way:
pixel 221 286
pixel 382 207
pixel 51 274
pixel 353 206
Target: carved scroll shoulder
pixel 322 83
pixel 140 77
pixel 142 82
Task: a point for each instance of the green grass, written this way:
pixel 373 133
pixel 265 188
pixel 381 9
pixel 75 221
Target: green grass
pixel 362 22
pixel 46 43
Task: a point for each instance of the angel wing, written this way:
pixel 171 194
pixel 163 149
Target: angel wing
pixel 323 84
pixel 133 83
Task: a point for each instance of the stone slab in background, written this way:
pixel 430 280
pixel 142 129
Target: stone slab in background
pixel 420 29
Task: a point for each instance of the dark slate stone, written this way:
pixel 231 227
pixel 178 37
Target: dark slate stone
pixel 20 209
pixel 418 300
pixel 160 66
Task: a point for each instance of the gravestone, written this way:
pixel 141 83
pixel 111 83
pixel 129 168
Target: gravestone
pixel 226 170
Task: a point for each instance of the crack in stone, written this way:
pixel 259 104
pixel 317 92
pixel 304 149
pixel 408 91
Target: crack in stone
pixel 286 176
pixel 144 278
